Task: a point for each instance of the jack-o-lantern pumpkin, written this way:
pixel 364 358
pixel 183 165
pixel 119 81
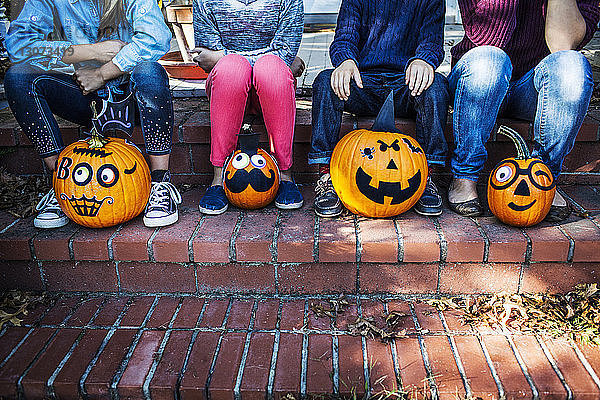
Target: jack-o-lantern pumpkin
pixel 521 189
pixel 101 182
pixel 251 175
pixel 379 172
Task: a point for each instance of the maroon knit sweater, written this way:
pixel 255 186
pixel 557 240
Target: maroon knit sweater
pixel 517 27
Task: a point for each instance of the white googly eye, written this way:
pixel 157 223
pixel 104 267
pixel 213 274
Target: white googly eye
pixel 258 161
pixel 504 174
pixel 82 174
pixel 240 161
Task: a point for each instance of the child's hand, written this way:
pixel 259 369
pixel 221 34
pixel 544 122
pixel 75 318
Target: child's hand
pixel 206 58
pixel 419 76
pixel 89 79
pixel 340 79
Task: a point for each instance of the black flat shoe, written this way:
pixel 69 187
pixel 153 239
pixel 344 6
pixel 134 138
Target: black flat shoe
pixel 558 214
pixel 469 208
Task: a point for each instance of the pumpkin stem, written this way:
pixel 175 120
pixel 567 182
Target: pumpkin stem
pixel 97 140
pixel 522 149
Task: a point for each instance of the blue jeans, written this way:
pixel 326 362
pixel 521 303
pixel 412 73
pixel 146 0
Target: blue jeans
pixel 430 109
pixel 34 95
pixel 554 95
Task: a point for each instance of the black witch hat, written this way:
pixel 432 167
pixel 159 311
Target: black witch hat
pixel 385 121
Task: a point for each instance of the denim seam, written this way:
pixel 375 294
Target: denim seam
pixel 39 105
pixel 542 117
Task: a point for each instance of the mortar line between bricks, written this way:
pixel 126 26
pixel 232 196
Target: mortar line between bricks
pixel 188 352
pixel 490 363
pixel 486 240
pixel 109 334
pixel 119 374
pixel 191 156
pixel 190 243
pixel 150 245
pixel 316 233
pixel 457 358
pixel 234 234
pixel 275 353
pixel 240 374
pixel 585 363
pixel 442 237
pixel 400 238
pixel 571 244
pixel 335 364
pixel 275 238
pixel 159 353
pixel 10 225
pixel 304 366
pixel 213 364
pixel 357 235
pixel 42 275
pixel 522 365
pixel 31 248
pixel 365 356
pixel 50 382
pixel 70 244
pixel 557 370
pixel 424 354
pixel 20 390
pixel 394 354
pixel 119 289
pixel 18 345
pixel 109 243
pixel 527 262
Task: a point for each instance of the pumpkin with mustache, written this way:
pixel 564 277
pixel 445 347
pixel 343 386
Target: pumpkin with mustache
pixel 521 189
pixel 101 182
pixel 379 172
pixel 251 175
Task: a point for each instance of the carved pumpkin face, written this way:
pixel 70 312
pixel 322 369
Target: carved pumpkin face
pixel 101 187
pixel 521 189
pixel 378 174
pixel 251 177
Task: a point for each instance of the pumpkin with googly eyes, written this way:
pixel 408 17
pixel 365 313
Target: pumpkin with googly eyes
pixel 520 189
pixel 251 175
pixel 101 182
pixel 379 172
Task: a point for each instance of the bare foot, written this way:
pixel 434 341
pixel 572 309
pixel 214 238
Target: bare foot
pixel 462 190
pixel 559 200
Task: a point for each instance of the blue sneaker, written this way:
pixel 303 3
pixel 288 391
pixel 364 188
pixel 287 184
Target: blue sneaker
pixel 214 201
pixel 288 196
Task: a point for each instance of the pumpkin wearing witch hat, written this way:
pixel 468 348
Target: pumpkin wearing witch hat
pixel 379 172
pixel 251 175
pixel 520 189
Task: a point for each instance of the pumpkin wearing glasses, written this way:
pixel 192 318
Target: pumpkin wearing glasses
pixel 379 172
pixel 520 189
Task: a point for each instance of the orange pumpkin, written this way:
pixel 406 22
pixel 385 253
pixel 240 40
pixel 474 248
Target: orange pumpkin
pixel 251 175
pixel 378 172
pixel 521 189
pixel 101 182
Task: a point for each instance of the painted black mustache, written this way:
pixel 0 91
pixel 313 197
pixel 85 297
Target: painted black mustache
pixel 255 178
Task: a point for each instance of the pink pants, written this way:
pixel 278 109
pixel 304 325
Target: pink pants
pixel 234 86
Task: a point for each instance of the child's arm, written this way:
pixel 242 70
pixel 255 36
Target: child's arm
pixel 420 70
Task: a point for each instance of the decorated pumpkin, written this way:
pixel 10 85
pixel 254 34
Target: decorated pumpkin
pixel 521 189
pixel 101 182
pixel 379 172
pixel 251 175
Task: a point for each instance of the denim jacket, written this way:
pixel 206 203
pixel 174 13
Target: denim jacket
pixel 32 38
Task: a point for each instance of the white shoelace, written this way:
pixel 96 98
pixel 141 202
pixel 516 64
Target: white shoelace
pixel 324 185
pixel 48 202
pixel 160 194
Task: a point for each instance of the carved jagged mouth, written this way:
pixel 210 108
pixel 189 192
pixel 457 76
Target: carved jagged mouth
pixel 526 207
pixel 86 207
pixel 387 189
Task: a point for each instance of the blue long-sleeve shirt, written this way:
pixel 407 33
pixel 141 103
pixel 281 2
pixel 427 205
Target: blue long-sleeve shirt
pixel 387 35
pixel 251 28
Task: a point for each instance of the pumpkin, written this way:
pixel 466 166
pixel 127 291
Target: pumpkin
pixel 520 189
pixel 251 175
pixel 379 172
pixel 101 182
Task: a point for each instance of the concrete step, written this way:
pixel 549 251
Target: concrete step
pixel 280 252
pixel 164 347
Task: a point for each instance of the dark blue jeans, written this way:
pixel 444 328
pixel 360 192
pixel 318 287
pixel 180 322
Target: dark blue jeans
pixel 34 95
pixel 430 110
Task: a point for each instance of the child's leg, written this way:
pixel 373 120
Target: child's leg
pixel 227 87
pixel 150 86
pixel 34 95
pixel 276 90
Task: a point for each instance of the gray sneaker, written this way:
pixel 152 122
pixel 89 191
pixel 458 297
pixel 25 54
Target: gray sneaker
pixel 50 214
pixel 327 202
